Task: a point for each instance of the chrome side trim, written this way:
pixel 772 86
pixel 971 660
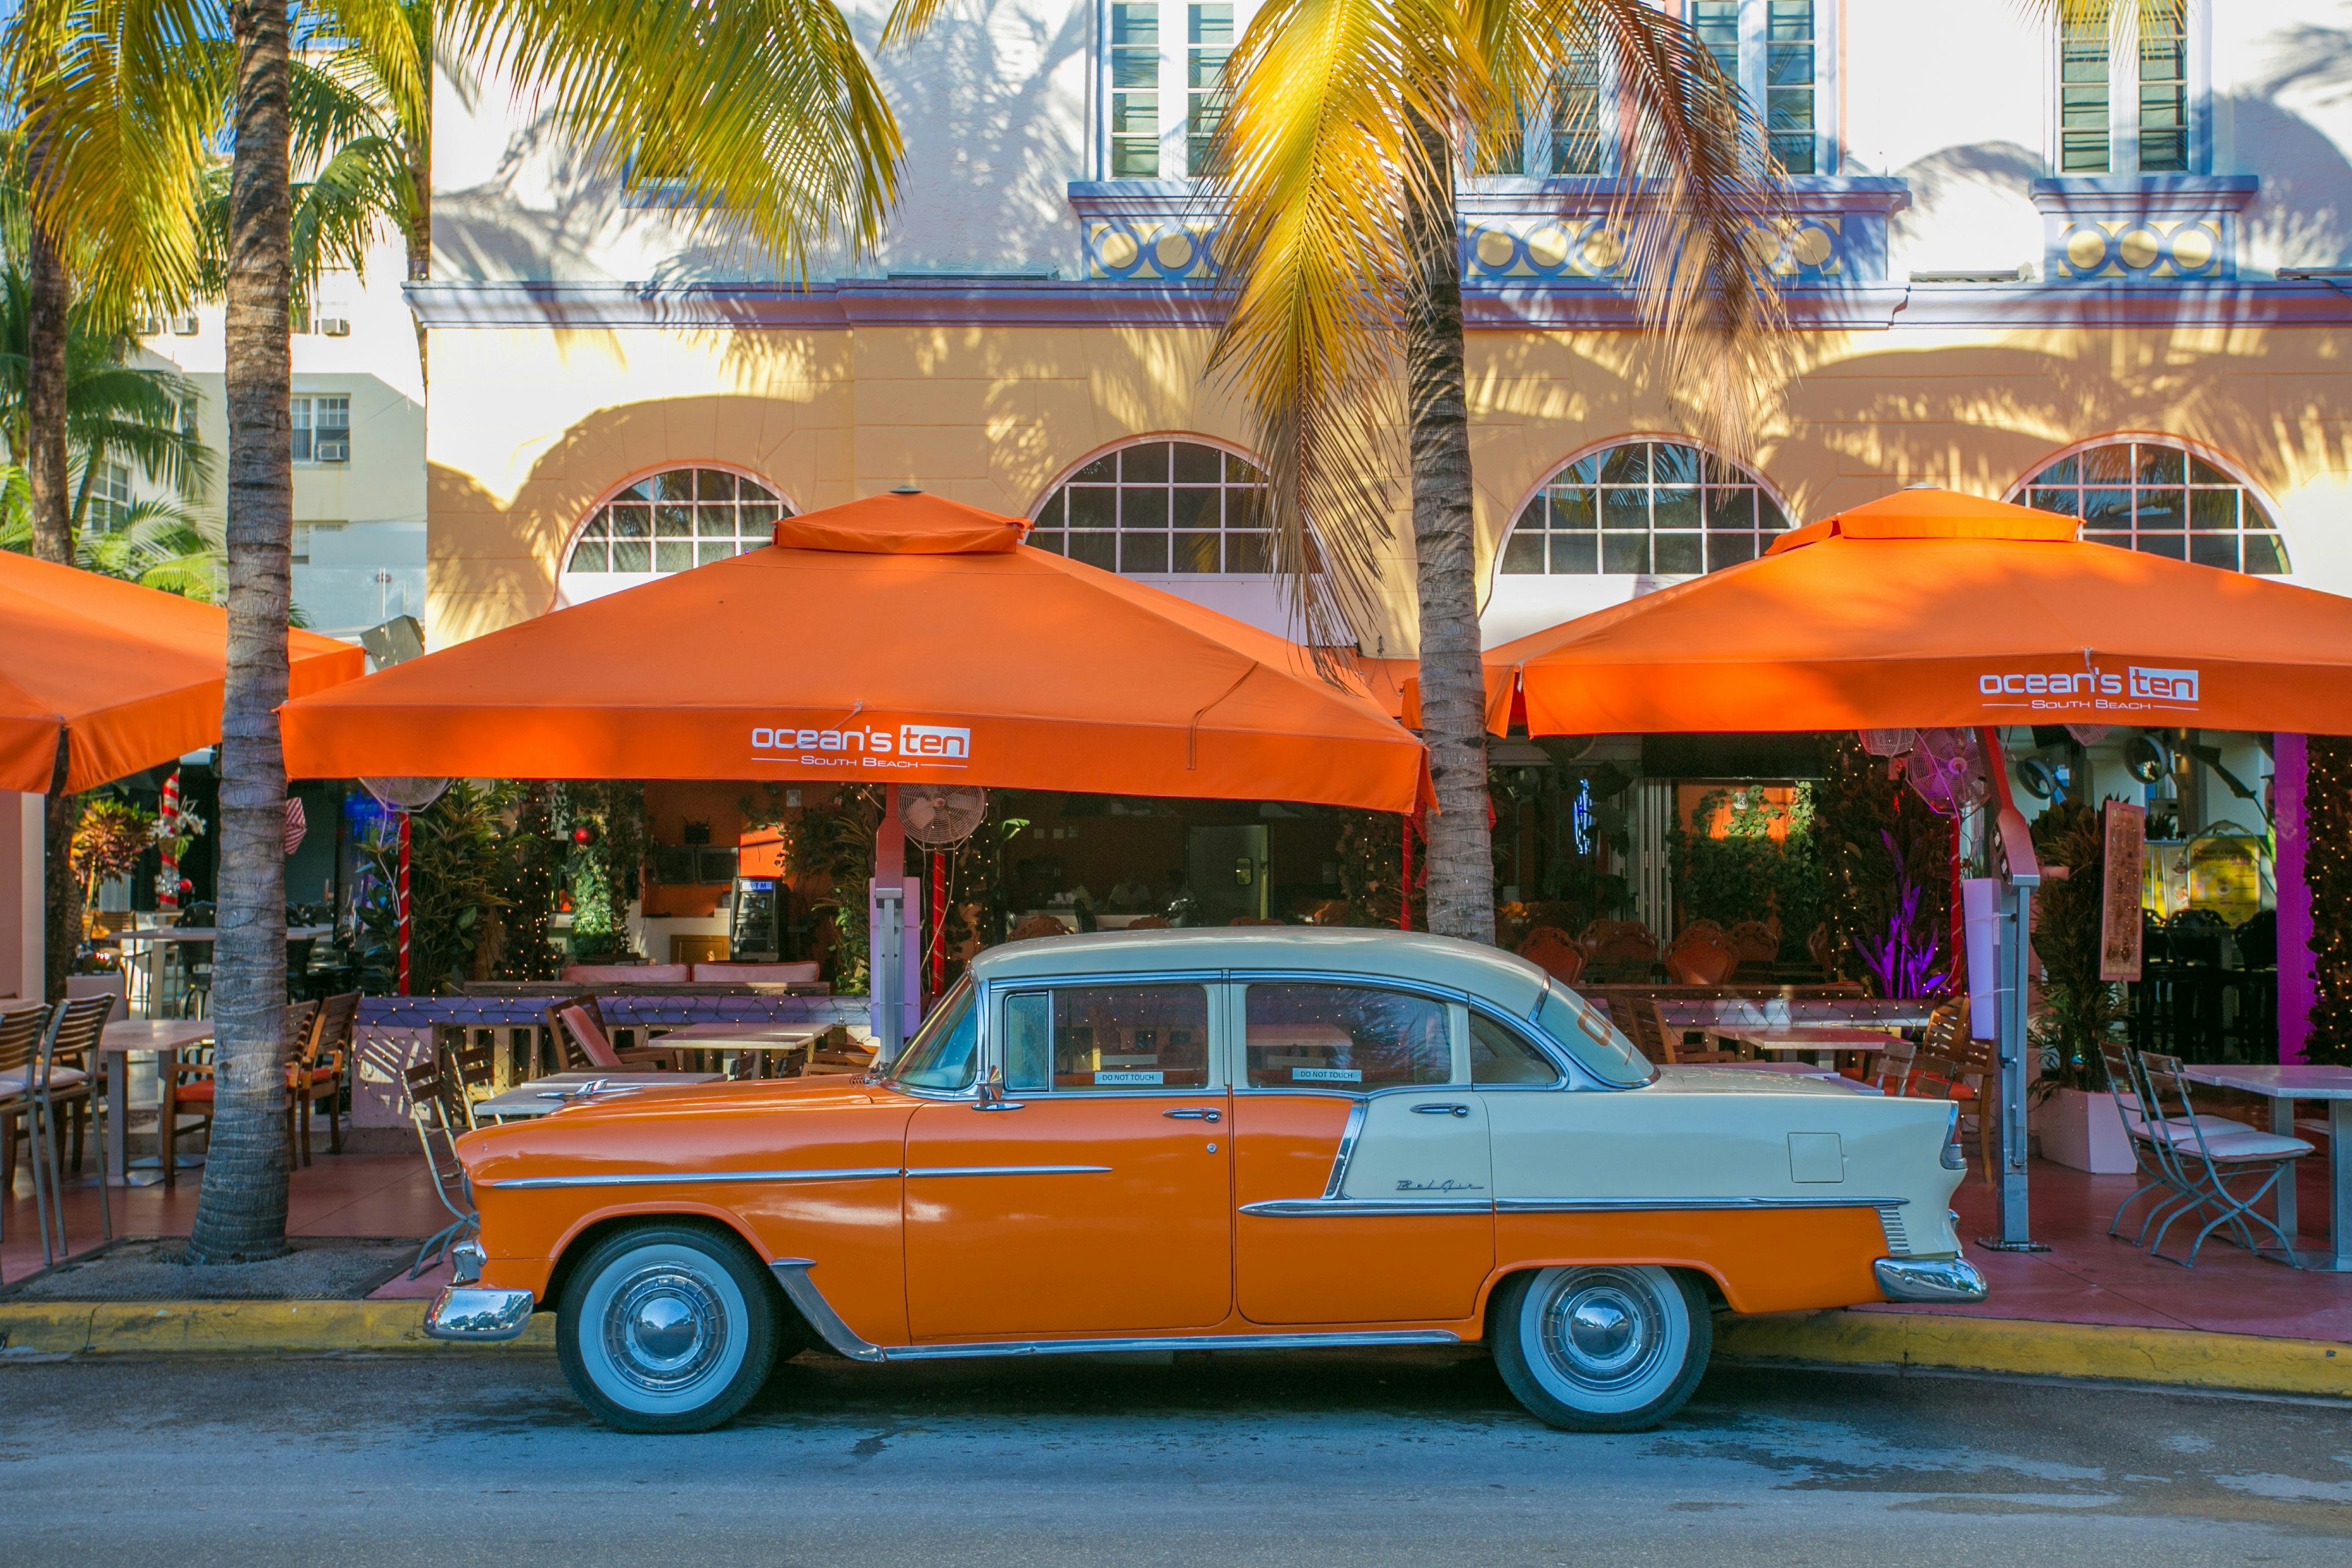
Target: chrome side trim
pixel 1007 1170
pixel 1171 1343
pixel 792 1277
pixel 1348 1136
pixel 476 1316
pixel 1311 1208
pixel 1898 1235
pixel 667 1178
pixel 466 1260
pixel 1621 1206
pixel 1929 1279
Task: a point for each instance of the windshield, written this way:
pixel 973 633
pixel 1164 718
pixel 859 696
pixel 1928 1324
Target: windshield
pixel 1585 1032
pixel 943 1051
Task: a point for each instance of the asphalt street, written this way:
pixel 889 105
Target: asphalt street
pixel 1245 1462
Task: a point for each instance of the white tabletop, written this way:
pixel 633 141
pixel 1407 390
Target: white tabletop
pixel 212 933
pixel 1798 1038
pixel 134 1037
pixel 542 1095
pixel 2294 1081
pixel 754 1037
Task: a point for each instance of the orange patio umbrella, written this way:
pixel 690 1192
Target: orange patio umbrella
pixel 131 677
pixel 900 639
pixel 1929 609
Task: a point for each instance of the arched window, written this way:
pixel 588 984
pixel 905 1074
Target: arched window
pixel 1642 508
pixel 1161 509
pixel 2137 493
pixel 666 522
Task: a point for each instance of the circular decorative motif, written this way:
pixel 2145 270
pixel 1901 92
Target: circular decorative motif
pixel 1603 248
pixel 1547 246
pixel 1495 249
pixel 2193 246
pixel 2139 248
pixel 2085 249
pixel 1812 247
pixel 1172 251
pixel 1118 250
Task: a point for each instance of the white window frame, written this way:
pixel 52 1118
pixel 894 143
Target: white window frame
pixel 110 495
pixel 1174 107
pixel 1069 475
pixel 1755 19
pixel 600 583
pixel 2123 93
pixel 302 413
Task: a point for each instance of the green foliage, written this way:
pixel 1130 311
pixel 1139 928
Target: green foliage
pixel 835 842
pixel 108 839
pixel 1885 864
pixel 2081 1009
pixel 1748 874
pixel 458 850
pixel 2328 871
pixel 526 910
pixel 602 874
pixel 1371 869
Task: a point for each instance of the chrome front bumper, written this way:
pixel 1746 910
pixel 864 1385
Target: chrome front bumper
pixel 476 1315
pixel 1929 1279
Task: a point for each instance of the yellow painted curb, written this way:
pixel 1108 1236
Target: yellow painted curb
pixel 99 1328
pixel 2182 1357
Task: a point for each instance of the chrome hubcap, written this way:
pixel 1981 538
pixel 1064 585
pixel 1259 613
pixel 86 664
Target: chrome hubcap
pixel 665 1328
pixel 1604 1328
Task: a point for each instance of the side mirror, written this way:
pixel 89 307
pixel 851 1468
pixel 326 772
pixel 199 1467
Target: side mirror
pixel 991 1092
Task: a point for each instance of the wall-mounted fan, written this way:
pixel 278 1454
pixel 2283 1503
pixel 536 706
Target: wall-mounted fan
pixel 2040 779
pixel 1947 768
pixel 940 816
pixel 405 794
pixel 2147 759
pixel 1888 742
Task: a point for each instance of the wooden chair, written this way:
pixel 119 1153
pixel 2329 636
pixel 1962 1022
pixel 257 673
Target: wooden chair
pixel 1891 1072
pixel 581 1038
pixel 1682 1047
pixel 1555 952
pixel 1948 1064
pixel 22 1029
pixel 316 1073
pixel 1755 942
pixel 191 1088
pixel 1701 955
pixel 1619 942
pixel 1037 926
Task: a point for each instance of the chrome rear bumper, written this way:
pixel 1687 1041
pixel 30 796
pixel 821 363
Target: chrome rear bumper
pixel 1929 1279
pixel 474 1314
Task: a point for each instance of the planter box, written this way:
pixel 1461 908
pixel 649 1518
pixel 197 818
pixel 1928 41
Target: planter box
pixel 2084 1132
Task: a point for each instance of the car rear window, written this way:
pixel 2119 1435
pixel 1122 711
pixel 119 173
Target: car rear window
pixel 1585 1032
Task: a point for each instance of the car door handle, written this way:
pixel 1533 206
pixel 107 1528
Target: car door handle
pixel 1441 1110
pixel 1195 1115
pixel 999 1105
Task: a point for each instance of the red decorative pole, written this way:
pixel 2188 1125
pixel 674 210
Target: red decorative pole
pixel 400 907
pixel 938 922
pixel 1404 892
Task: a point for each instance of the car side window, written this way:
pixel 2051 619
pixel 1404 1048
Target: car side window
pixel 1499 1055
pixel 1345 1036
pixel 1107 1037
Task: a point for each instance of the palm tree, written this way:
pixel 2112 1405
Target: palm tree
pixel 1346 122
pixel 768 109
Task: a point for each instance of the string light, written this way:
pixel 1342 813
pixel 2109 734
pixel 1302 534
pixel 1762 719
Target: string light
pixel 2327 872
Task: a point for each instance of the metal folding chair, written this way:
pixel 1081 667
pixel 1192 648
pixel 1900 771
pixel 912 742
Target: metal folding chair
pixel 440 1111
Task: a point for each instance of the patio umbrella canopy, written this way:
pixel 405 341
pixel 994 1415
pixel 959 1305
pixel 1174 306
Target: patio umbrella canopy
pixel 133 677
pixel 900 639
pixel 1932 609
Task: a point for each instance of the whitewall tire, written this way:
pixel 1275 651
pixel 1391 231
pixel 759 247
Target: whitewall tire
pixel 666 1327
pixel 1604 1348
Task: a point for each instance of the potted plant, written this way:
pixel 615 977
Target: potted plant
pixel 2073 1114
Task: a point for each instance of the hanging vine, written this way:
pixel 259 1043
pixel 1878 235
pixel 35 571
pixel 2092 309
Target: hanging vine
pixel 2328 871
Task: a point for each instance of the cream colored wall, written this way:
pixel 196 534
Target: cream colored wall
pixel 529 428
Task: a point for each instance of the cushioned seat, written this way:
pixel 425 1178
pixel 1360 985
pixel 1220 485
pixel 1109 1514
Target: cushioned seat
pixel 59 1078
pixel 2243 1144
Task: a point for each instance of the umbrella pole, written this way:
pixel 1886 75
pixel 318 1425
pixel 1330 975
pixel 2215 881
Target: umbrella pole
pixel 2020 874
pixel 938 922
pixel 400 909
pixel 886 916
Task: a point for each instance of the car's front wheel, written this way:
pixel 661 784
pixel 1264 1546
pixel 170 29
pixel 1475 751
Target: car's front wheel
pixel 1602 1349
pixel 666 1327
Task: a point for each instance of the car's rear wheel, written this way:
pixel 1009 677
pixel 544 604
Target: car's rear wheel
pixel 1602 1349
pixel 666 1327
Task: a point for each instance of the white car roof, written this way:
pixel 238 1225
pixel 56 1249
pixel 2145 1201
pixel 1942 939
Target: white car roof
pixel 1507 980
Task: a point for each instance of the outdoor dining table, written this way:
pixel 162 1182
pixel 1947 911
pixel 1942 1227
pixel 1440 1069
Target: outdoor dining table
pixel 1824 1043
pixel 1813 1070
pixel 163 1038
pixel 764 1041
pixel 2282 1085
pixel 155 938
pixel 555 1092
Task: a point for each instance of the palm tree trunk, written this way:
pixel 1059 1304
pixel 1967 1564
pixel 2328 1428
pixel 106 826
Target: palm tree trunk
pixel 420 241
pixel 242 1211
pixel 46 476
pixel 1453 690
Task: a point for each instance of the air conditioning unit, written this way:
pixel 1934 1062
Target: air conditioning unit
pixel 183 326
pixel 334 326
pixel 333 450
pixel 149 327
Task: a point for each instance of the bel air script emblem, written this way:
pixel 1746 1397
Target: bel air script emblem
pixel 1447 1187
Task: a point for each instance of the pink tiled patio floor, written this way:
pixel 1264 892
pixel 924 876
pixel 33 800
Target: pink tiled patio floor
pixel 2085 1278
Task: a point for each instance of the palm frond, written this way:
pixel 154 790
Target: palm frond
pixel 160 545
pixel 766 110
pixel 1318 163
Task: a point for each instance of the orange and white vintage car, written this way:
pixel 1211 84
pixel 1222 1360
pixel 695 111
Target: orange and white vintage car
pixel 1205 1139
